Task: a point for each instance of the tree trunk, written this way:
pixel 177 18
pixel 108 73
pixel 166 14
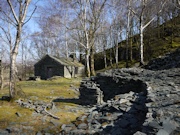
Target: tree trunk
pixel 1 75
pixel 14 52
pixel 67 55
pixel 141 46
pixel 87 63
pixel 158 26
pixel 81 55
pixel 2 80
pixel 105 57
pixel 12 81
pixel 172 32
pixel 130 50
pixel 92 61
pixel 19 20
pixel 116 57
pixel 111 64
pixel 127 33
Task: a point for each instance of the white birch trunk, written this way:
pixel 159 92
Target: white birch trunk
pixel 87 62
pixel 127 32
pixel 105 59
pixel 141 46
pixel 19 18
pixel 1 75
pixel 116 56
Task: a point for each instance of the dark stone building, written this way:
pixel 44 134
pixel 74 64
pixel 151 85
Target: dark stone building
pixel 50 66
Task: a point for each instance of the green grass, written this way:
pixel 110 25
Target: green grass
pixel 41 91
pixel 121 64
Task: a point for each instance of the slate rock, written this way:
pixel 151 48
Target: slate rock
pixel 169 125
pixel 155 124
pixel 4 132
pixel 39 133
pixel 162 132
pixel 82 126
pixel 139 133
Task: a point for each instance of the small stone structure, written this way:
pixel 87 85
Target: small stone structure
pixel 50 66
pixel 90 93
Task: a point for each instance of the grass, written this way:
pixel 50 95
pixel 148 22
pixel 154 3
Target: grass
pixel 41 91
pixel 121 64
pixel 8 114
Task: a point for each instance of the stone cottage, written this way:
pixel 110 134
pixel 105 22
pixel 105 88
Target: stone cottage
pixel 50 66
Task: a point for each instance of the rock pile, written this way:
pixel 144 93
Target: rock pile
pixel 145 102
pixel 39 106
pixel 116 116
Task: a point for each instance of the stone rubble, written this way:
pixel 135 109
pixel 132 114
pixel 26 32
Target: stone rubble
pixel 38 106
pixel 145 103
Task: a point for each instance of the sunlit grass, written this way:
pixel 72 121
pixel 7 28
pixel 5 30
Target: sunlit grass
pixel 43 90
pixel 8 114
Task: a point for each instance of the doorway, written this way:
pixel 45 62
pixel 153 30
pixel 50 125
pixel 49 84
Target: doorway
pixel 49 72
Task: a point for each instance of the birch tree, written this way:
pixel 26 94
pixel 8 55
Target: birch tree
pixel 17 18
pixel 128 30
pixel 144 6
pixel 88 13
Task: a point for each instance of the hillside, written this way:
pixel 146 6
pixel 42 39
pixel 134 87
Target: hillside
pixel 157 42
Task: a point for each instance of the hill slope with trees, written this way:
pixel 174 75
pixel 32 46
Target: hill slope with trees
pixel 157 42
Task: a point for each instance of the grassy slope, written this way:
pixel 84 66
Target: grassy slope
pixel 40 91
pixel 153 46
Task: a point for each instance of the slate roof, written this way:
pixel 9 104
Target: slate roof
pixel 63 61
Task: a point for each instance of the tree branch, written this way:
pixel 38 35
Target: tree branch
pixel 80 43
pixel 30 15
pixel 148 23
pixel 12 9
pixel 10 20
pixel 5 33
pixel 55 117
pixel 25 10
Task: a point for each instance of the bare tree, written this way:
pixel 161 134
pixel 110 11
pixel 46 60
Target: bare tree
pixel 128 30
pixel 88 13
pixel 17 17
pixel 144 7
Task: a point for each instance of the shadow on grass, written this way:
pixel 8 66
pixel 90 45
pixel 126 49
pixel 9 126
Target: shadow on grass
pixel 5 98
pixel 75 101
